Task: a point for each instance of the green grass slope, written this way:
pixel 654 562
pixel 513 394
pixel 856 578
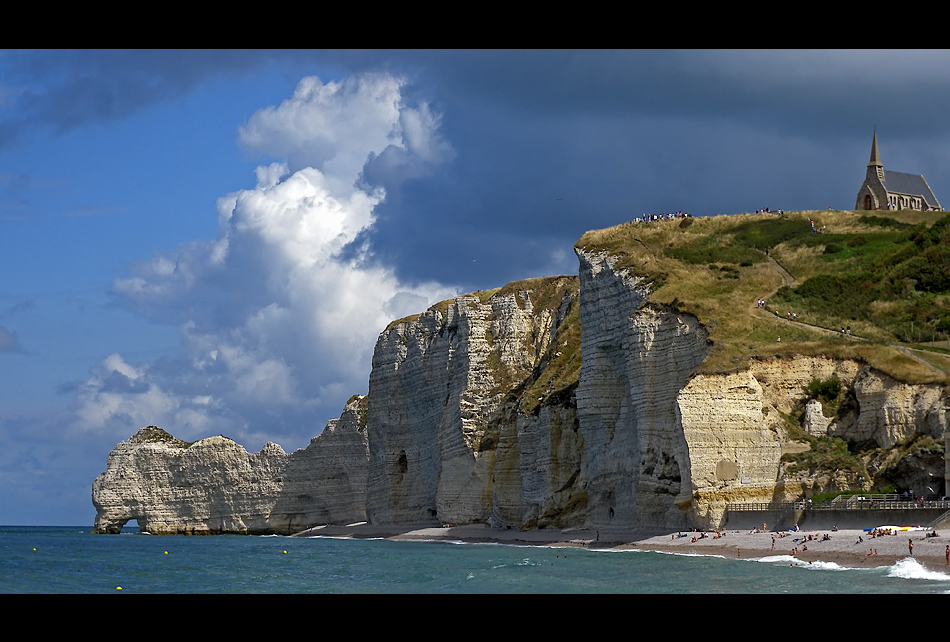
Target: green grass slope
pixel 884 274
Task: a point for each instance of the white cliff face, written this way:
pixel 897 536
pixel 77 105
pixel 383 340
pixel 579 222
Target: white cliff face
pixel 555 402
pixel 815 422
pixel 215 486
pixel 637 356
pixel 539 469
pixel 736 431
pixel 450 438
pixel 734 442
pixel 892 410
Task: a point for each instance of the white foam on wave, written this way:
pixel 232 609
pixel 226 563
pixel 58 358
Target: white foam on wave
pixel 910 569
pixel 678 554
pixel 777 558
pixel 456 542
pixel 817 565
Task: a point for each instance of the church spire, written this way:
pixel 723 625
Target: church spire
pixel 875 161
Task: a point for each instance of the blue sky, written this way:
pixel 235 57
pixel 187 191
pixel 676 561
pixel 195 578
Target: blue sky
pixel 211 241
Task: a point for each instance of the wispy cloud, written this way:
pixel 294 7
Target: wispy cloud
pixel 9 341
pixel 96 211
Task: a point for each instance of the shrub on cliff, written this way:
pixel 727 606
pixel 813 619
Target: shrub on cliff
pixel 832 248
pixel 826 390
pixel 827 454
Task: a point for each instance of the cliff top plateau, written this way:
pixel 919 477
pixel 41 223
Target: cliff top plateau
pixel 840 284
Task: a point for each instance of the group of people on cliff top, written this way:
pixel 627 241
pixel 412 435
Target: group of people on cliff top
pixel 679 214
pixel 660 217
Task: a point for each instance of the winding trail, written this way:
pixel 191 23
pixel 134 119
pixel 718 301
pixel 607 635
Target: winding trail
pixel 789 281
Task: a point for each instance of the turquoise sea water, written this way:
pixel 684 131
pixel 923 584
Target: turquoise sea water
pixel 68 559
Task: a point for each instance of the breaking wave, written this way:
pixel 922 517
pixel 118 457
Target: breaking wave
pixel 911 569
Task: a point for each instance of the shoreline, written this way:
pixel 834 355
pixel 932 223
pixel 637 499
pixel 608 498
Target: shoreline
pixel 843 548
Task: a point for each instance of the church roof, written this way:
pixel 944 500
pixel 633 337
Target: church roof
pixel 913 184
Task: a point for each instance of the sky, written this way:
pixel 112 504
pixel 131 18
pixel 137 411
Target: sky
pixel 211 241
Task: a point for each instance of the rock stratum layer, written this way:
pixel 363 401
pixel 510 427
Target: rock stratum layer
pixel 552 402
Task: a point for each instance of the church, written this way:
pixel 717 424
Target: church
pixel 895 190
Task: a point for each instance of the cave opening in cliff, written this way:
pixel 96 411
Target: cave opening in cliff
pixel 118 526
pixel 403 464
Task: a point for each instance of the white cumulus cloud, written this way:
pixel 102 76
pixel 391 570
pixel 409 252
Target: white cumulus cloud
pixel 277 328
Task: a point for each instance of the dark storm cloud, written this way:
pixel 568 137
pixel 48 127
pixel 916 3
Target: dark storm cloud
pixel 63 90
pixel 834 90
pixel 617 134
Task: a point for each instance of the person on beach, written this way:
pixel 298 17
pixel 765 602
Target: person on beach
pixel 948 555
pixel 910 546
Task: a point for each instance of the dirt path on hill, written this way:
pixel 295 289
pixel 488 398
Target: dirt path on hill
pixel 789 281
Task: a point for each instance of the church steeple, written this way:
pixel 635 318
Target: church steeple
pixel 906 191
pixel 875 161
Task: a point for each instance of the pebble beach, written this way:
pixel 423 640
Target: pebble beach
pixel 848 547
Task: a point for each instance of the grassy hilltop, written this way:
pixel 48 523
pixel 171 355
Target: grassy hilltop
pixel 884 274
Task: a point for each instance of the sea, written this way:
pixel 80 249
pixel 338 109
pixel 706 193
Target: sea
pixel 69 559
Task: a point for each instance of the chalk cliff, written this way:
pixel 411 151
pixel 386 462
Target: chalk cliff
pixel 215 486
pixel 566 401
pixel 636 357
pixel 471 411
pixel 669 447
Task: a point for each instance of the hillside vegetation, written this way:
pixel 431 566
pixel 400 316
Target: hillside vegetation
pixel 883 275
